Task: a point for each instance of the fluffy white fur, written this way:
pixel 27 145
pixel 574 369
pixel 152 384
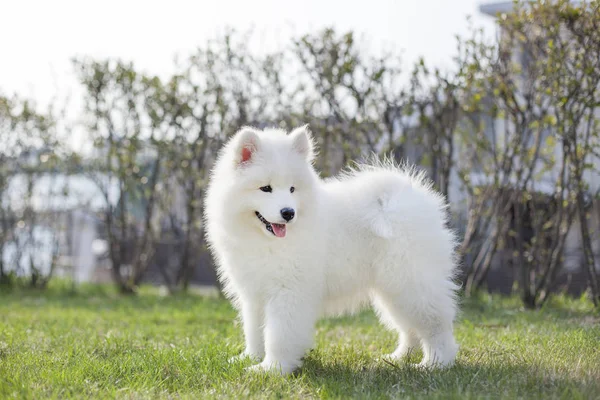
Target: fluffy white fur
pixel 376 234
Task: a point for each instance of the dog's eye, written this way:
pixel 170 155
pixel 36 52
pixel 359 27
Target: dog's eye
pixel 267 189
pixel 292 189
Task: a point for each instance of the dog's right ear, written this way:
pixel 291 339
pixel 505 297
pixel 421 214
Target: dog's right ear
pixel 303 142
pixel 246 145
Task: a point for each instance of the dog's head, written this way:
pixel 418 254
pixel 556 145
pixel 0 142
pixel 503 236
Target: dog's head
pixel 274 178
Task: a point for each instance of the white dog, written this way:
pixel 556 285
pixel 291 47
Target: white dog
pixel 291 247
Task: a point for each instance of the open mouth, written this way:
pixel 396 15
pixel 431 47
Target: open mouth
pixel 276 229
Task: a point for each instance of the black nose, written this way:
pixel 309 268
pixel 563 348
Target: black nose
pixel 288 213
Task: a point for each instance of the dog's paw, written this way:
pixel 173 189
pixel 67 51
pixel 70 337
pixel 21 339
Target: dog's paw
pixel 396 357
pixel 392 357
pixel 242 357
pixel 404 350
pixel 272 367
pixel 430 366
pixel 422 366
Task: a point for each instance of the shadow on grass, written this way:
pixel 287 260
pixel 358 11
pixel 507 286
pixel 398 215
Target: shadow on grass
pixel 460 381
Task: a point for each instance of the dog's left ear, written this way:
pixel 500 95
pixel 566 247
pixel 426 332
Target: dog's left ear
pixel 303 142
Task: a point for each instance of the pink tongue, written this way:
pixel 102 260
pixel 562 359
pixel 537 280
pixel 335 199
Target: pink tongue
pixel 278 229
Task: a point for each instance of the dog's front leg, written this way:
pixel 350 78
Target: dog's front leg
pixel 289 331
pixel 253 319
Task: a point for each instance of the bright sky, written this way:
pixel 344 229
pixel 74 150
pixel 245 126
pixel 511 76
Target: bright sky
pixel 39 37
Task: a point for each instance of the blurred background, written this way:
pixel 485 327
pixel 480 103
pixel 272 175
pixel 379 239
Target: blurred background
pixel 111 115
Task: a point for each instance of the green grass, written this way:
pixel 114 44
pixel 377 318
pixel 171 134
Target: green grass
pixel 98 345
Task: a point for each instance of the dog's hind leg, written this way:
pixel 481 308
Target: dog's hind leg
pixel 408 340
pixel 439 347
pixel 424 320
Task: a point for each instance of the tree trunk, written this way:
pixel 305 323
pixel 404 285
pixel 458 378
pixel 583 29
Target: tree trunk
pixel 588 259
pixel 519 256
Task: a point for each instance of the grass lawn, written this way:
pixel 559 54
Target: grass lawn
pixel 96 344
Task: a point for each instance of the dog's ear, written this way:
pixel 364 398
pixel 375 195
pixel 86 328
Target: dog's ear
pixel 303 143
pixel 246 145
